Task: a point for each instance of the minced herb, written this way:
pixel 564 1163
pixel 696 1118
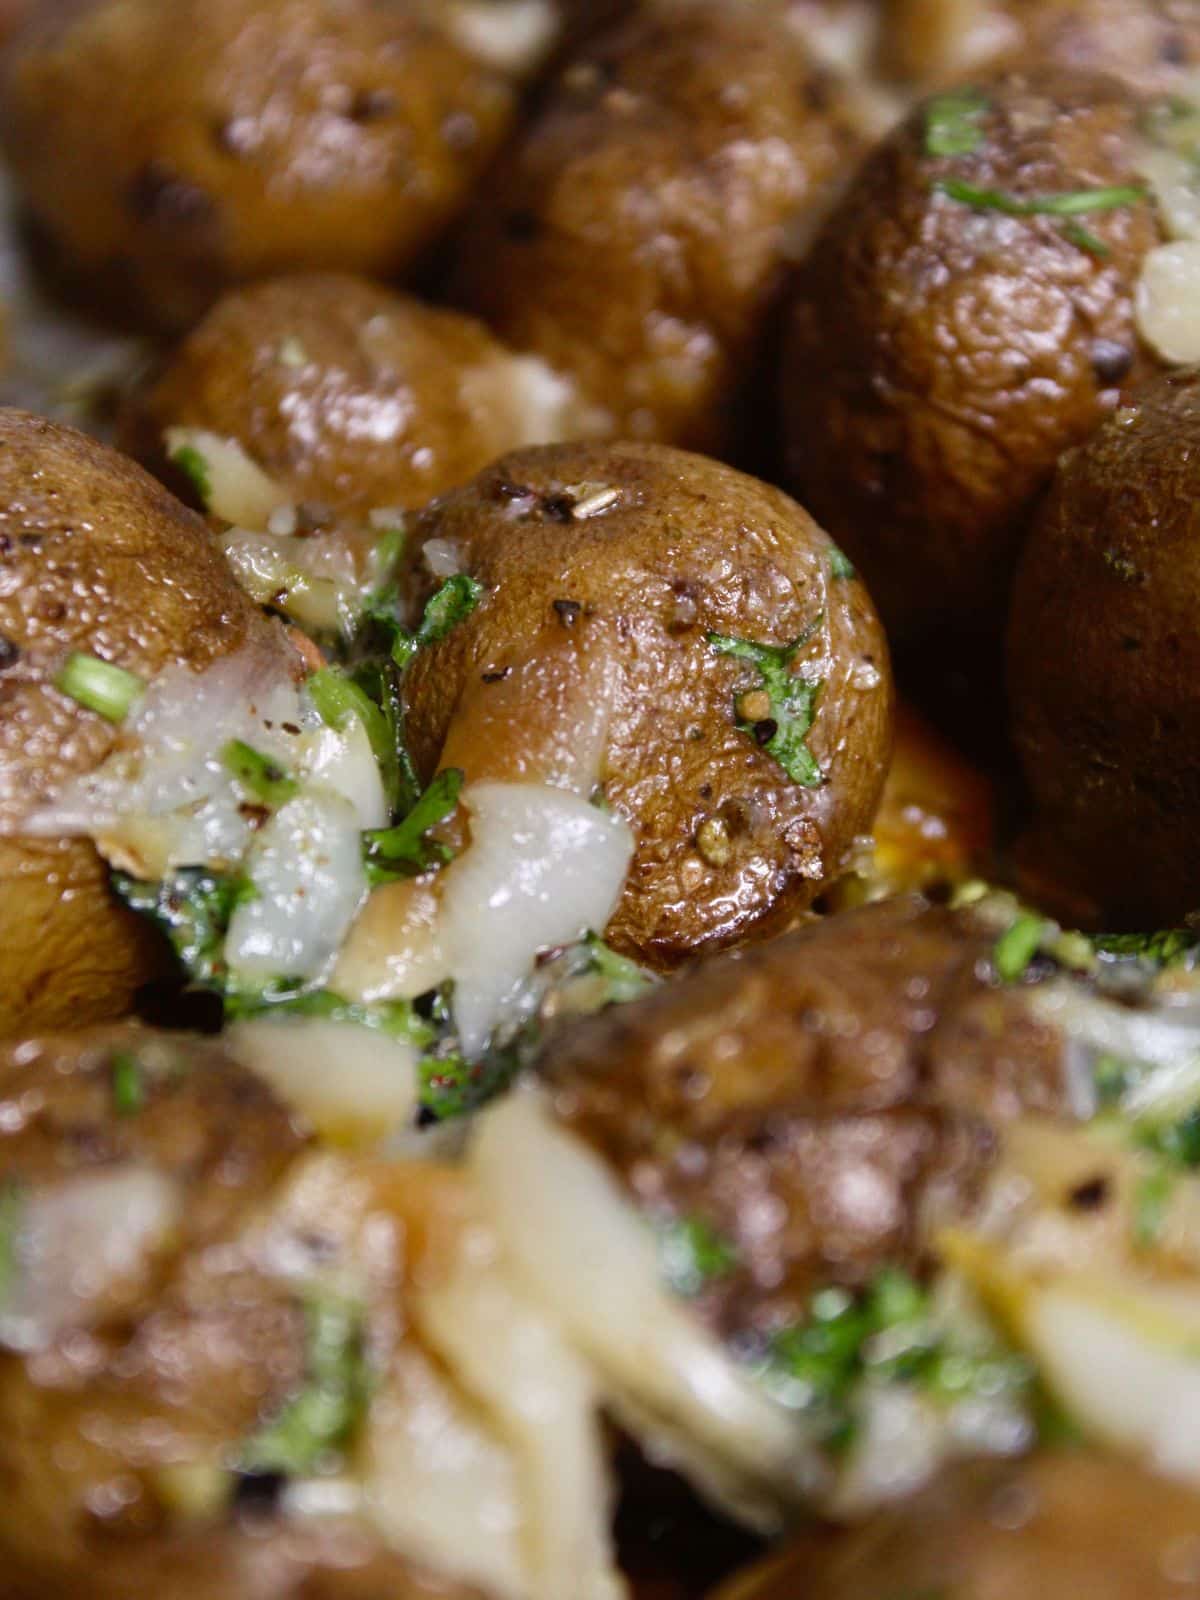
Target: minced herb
pixel 1170 947
pixel 405 849
pixel 128 1086
pixel 624 980
pixel 193 907
pixel 1015 949
pixel 693 1255
pixel 325 1414
pixel 840 564
pixel 952 123
pixel 12 1209
pixel 791 702
pixel 99 686
pixel 1073 203
pixel 1151 1198
pixel 260 775
pixel 196 469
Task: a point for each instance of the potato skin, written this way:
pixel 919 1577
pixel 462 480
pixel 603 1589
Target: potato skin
pixel 614 609
pixel 169 151
pixel 94 556
pixel 636 234
pixel 348 395
pixel 1056 1527
pixel 1103 656
pixel 823 1101
pixel 940 358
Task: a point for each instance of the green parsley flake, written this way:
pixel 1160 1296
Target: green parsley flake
pixel 952 123
pixel 840 564
pixel 1172 947
pixel 1151 1199
pixel 1016 948
pixel 99 686
pixel 259 775
pixel 624 980
pixel 404 849
pixel 196 469
pixel 452 604
pixel 693 1254
pixel 128 1087
pixel 325 1414
pixel 193 907
pixel 12 1209
pixel 792 702
pixel 1072 204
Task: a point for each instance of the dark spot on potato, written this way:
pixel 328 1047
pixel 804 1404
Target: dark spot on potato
pixel 460 131
pixel 522 227
pixel 568 611
pixel 558 507
pixel 1092 1195
pixel 370 105
pixel 766 730
pixel 160 196
pixel 1174 50
pixel 9 652
pixel 498 675
pixel 1110 360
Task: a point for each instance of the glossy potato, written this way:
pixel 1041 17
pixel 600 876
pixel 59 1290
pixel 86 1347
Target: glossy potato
pixel 94 557
pixel 588 663
pixel 169 151
pixel 941 352
pixel 348 396
pixel 1058 1527
pixel 1103 652
pixel 637 232
pixel 1151 44
pixel 823 1102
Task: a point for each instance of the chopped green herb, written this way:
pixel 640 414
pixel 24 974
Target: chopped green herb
pixel 1169 948
pixel 1114 1078
pixel 624 979
pixel 1177 1142
pixel 1151 1198
pixel 404 849
pixel 791 702
pixel 99 686
pixel 451 1086
pixel 1084 239
pixel 258 774
pixel 952 123
pixel 372 694
pixel 196 468
pixel 325 1414
pixel 128 1088
pixel 693 1255
pixel 453 602
pixel 193 908
pixel 1074 203
pixel 840 564
pixel 1016 948
pixel 12 1207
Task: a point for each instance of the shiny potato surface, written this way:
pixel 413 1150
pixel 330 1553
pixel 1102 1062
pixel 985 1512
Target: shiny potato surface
pixel 1103 652
pixel 636 234
pixel 1058 1527
pixel 822 1102
pixel 942 352
pixel 136 1335
pixel 1151 44
pixel 348 396
pixel 170 150
pixel 94 557
pixel 608 571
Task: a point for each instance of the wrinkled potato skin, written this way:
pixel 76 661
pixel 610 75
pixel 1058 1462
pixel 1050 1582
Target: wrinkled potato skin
pixel 169 151
pixel 1151 44
pixel 823 1101
pixel 181 1358
pixel 940 359
pixel 1103 657
pixel 94 556
pixel 691 546
pixel 393 402
pixel 636 236
pixel 1058 1527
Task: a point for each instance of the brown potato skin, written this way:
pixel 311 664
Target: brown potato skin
pixel 1057 1527
pixel 824 1101
pixel 939 359
pixel 248 137
pixel 183 1359
pixel 94 556
pixel 394 401
pixel 1151 44
pixel 636 235
pixel 1103 652
pixel 691 546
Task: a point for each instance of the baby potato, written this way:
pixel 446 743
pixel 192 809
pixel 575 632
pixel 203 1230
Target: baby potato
pixel 1151 44
pixel 348 396
pixel 635 235
pixel 1103 653
pixel 684 643
pixel 97 558
pixel 1056 1527
pixel 965 316
pixel 168 151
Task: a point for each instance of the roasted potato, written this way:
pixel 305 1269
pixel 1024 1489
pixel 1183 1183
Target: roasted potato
pixel 648 620
pixel 822 1103
pixel 1103 650
pixel 952 333
pixel 1053 1528
pixel 1151 44
pixel 167 152
pixel 635 235
pixel 95 558
pixel 349 397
